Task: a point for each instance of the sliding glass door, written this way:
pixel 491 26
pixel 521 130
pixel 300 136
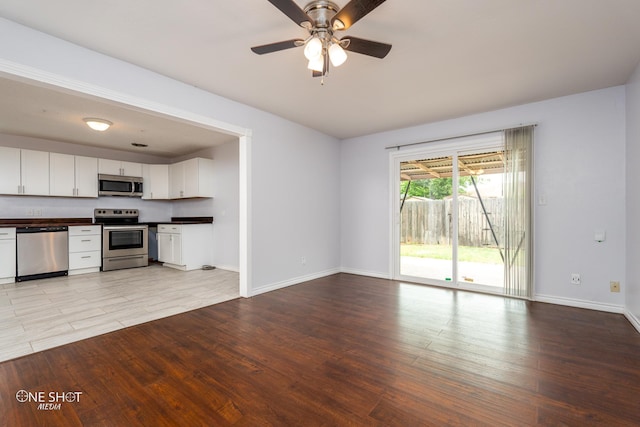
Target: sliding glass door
pixel 461 215
pixel 426 223
pixel 481 219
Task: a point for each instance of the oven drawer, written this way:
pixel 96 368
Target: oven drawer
pixel 84 230
pixel 80 260
pixel 85 243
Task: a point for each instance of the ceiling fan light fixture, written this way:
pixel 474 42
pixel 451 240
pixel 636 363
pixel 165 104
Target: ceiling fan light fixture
pixel 316 64
pixel 313 49
pixel 337 55
pixel 99 125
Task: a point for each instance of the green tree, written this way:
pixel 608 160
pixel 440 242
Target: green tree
pixel 435 188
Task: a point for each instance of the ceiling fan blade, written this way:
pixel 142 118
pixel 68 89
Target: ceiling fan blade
pixel 352 12
pixel 293 11
pixel 274 47
pixel 367 47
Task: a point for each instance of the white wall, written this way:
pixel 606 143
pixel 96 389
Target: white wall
pixel 632 290
pixel 294 171
pixel 579 168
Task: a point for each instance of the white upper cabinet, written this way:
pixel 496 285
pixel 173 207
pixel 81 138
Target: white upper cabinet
pixel 24 172
pixel 118 167
pixel 131 169
pixel 34 172
pixel 176 180
pixel 155 183
pixel 110 167
pixel 62 177
pixel 86 176
pixel 10 182
pixel 73 176
pixel 40 173
pixel 191 178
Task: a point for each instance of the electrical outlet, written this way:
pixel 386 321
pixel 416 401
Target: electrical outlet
pixel 615 286
pixel 575 278
pixel 303 261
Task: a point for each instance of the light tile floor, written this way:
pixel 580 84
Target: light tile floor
pixel 41 314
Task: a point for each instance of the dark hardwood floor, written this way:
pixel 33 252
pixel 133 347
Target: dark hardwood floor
pixel 342 350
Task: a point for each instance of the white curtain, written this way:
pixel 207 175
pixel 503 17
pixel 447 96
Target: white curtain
pixel 518 184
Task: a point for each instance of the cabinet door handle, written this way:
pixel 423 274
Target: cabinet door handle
pixel 87 240
pixel 85 257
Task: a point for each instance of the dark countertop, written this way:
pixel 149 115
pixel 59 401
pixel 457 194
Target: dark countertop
pixel 184 220
pixel 44 222
pixel 191 220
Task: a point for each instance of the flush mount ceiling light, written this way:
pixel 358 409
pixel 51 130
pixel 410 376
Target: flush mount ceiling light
pixel 321 18
pixel 97 124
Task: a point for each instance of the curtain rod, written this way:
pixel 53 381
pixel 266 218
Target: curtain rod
pixel 397 147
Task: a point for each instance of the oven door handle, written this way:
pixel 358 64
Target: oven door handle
pixel 124 227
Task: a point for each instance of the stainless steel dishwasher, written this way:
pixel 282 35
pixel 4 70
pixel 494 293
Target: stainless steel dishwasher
pixel 42 252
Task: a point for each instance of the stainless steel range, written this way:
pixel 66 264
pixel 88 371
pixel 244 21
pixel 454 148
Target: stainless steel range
pixel 124 240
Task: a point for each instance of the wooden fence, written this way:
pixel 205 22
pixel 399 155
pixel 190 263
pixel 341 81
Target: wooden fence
pixel 430 221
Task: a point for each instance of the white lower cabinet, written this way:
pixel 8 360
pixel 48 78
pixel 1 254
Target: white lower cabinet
pixel 7 255
pixel 185 246
pixel 85 249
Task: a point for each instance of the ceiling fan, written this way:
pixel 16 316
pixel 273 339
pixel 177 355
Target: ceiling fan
pixel 322 18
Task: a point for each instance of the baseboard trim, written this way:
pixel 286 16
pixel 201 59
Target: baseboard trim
pixel 375 274
pixel 233 268
pixel 571 302
pixel 632 319
pixel 294 281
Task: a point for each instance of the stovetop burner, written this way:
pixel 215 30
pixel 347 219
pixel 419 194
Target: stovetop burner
pixel 115 216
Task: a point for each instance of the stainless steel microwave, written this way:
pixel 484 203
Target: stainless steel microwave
pixel 116 185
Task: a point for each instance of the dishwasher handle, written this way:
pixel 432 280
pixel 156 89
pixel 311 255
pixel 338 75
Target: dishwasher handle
pixel 49 229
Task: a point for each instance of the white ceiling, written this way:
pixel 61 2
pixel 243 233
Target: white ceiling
pixel 50 113
pixel 449 58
